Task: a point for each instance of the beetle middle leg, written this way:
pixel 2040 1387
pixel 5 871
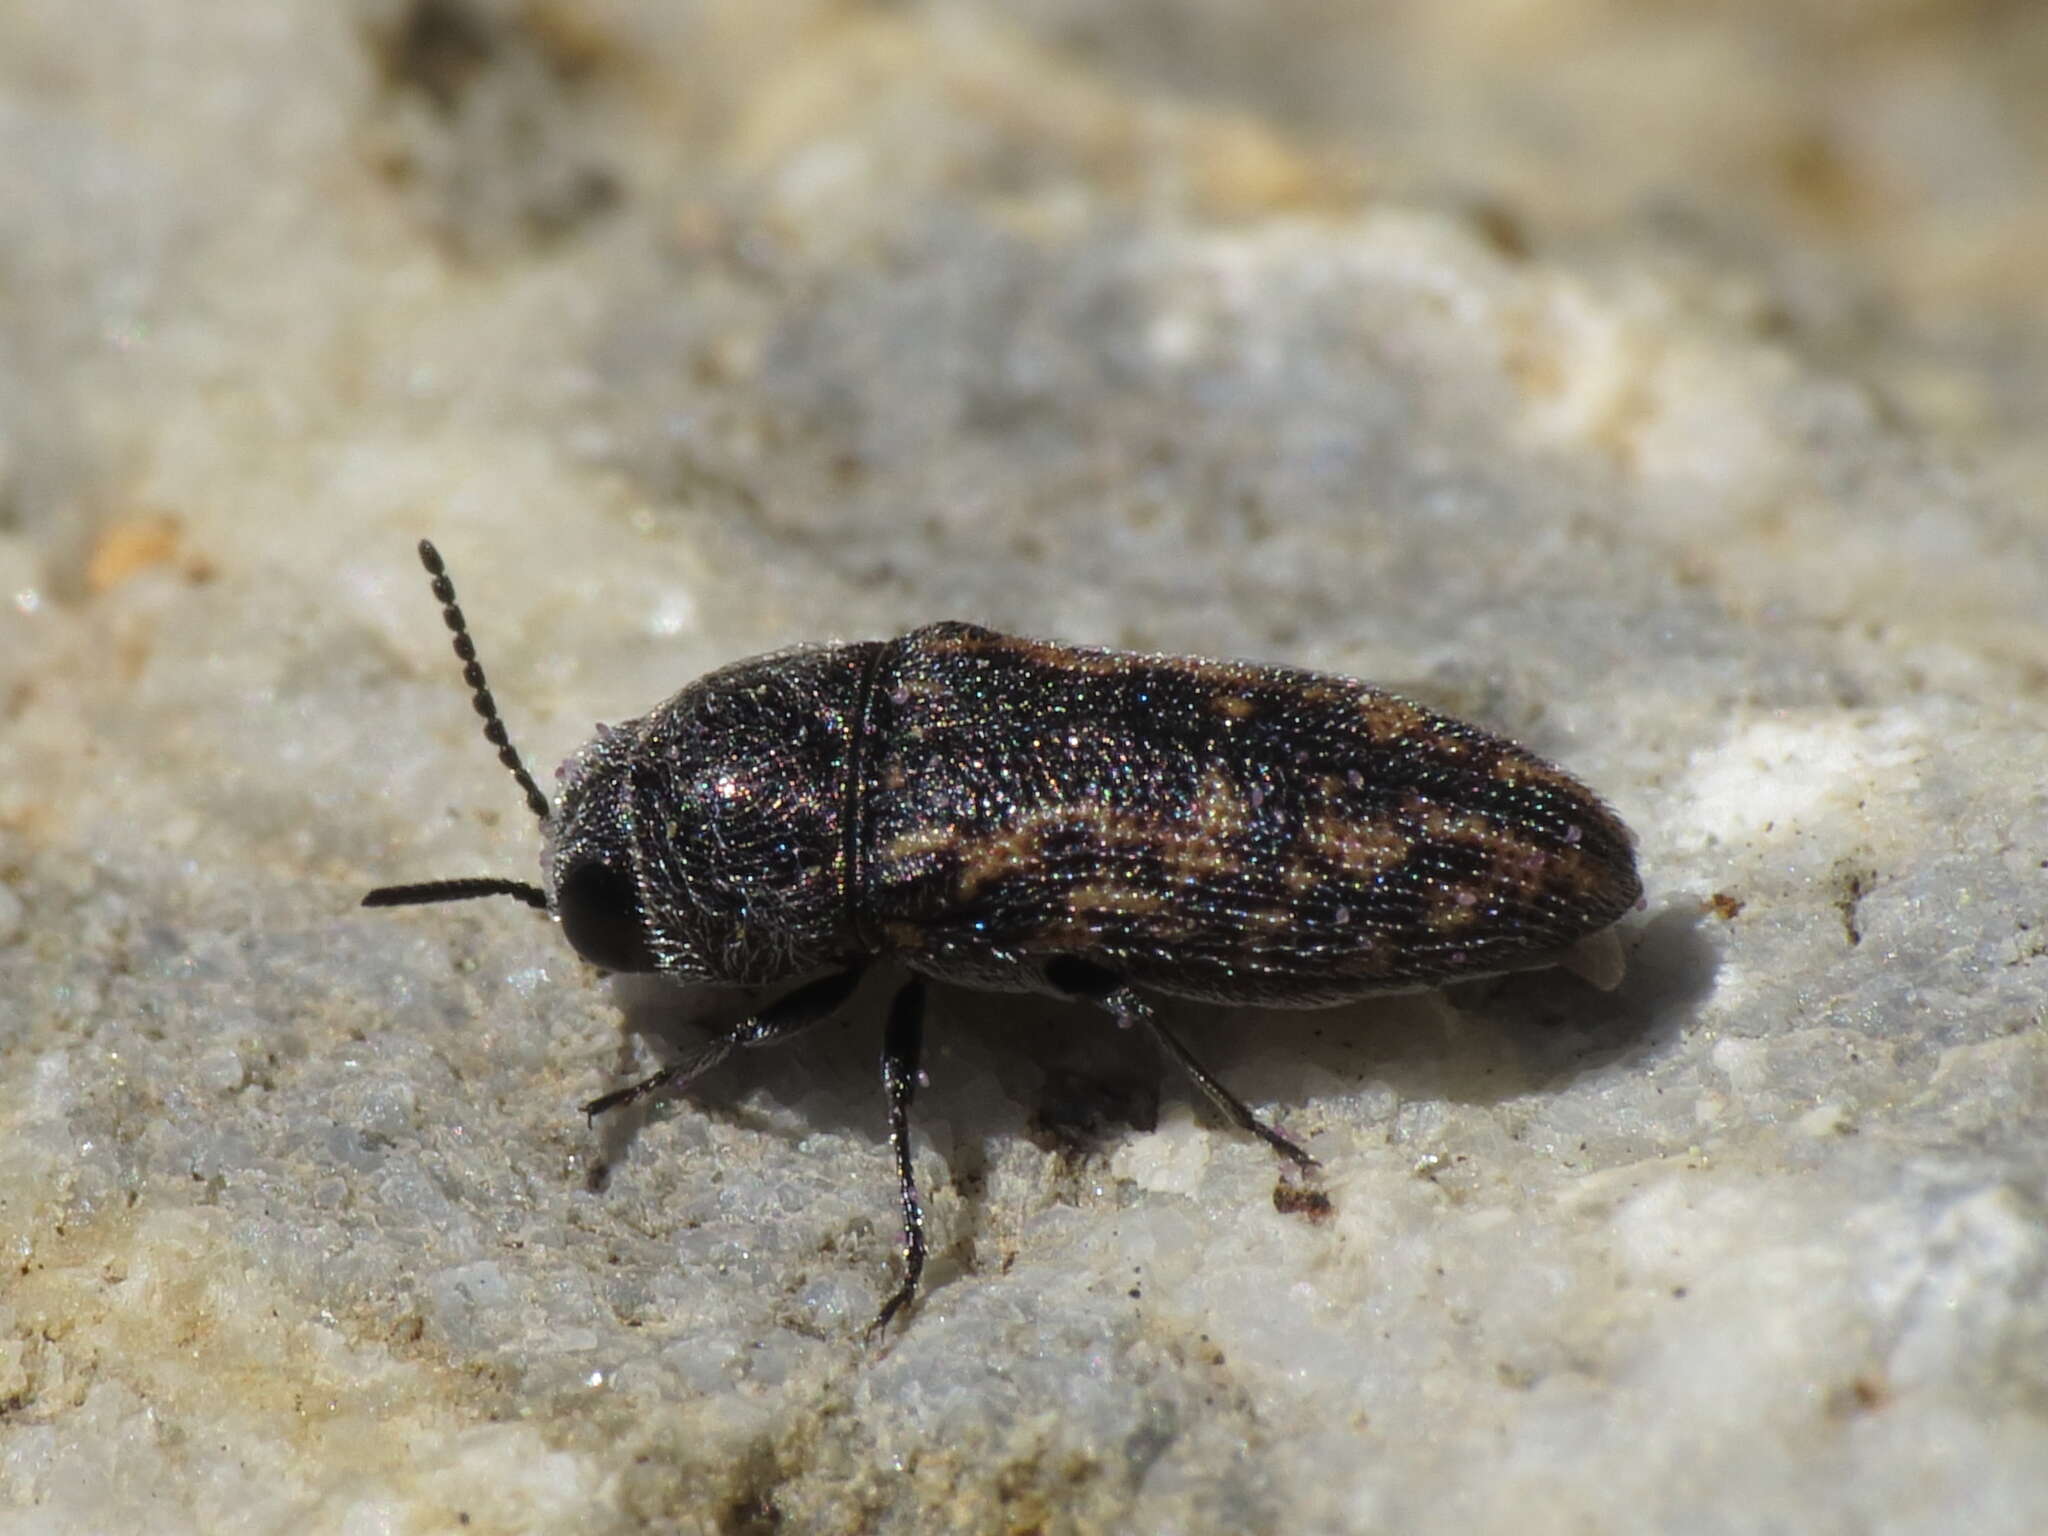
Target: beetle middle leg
pixel 902 1045
pixel 1091 983
pixel 812 1003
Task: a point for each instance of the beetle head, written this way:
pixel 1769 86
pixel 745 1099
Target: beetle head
pixel 704 840
pixel 593 873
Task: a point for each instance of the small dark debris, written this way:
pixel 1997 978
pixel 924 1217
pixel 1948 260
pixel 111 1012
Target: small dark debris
pixel 1863 1393
pixel 1301 1200
pixel 1855 885
pixel 1501 227
pixel 509 154
pixel 437 48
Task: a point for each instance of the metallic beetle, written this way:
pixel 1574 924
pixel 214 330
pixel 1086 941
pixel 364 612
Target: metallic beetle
pixel 1020 815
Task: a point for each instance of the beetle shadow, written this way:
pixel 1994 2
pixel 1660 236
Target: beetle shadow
pixel 1005 1066
pixel 818 1067
pixel 1059 1070
pixel 1479 1043
pixel 1531 1032
pixel 1066 1079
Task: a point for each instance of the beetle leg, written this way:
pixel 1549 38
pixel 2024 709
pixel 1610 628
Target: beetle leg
pixel 902 1045
pixel 809 1004
pixel 1234 1109
pixel 1079 978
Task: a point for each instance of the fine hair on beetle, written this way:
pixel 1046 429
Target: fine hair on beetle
pixel 1020 815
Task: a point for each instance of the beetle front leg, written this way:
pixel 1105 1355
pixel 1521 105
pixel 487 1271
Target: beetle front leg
pixel 812 1003
pixel 902 1046
pixel 1091 983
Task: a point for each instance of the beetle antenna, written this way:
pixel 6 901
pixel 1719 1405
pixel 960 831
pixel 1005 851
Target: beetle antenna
pixel 456 890
pixel 473 674
pixel 496 734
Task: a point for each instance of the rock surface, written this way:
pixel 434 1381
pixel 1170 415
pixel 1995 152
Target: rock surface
pixel 1597 376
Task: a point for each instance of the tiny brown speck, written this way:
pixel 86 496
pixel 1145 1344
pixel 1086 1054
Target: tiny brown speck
pixel 1297 1200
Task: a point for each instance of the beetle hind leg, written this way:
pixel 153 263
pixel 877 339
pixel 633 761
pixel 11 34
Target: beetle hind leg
pixel 1090 983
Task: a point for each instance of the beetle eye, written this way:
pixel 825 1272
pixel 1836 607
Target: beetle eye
pixel 602 919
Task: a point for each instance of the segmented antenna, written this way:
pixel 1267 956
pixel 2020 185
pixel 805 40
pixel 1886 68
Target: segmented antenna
pixel 456 890
pixel 495 734
pixel 473 674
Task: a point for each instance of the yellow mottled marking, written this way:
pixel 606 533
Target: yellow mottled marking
pixel 1452 911
pixel 1002 853
pixel 1440 824
pixel 1201 842
pixel 918 841
pixel 1020 845
pixel 1360 848
pixel 1519 768
pixel 1391 718
pixel 1532 872
pixel 1219 809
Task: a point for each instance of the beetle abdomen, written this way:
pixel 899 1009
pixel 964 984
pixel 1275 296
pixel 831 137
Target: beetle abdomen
pixel 1211 829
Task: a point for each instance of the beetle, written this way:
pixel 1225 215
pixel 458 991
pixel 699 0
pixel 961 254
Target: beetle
pixel 1025 816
